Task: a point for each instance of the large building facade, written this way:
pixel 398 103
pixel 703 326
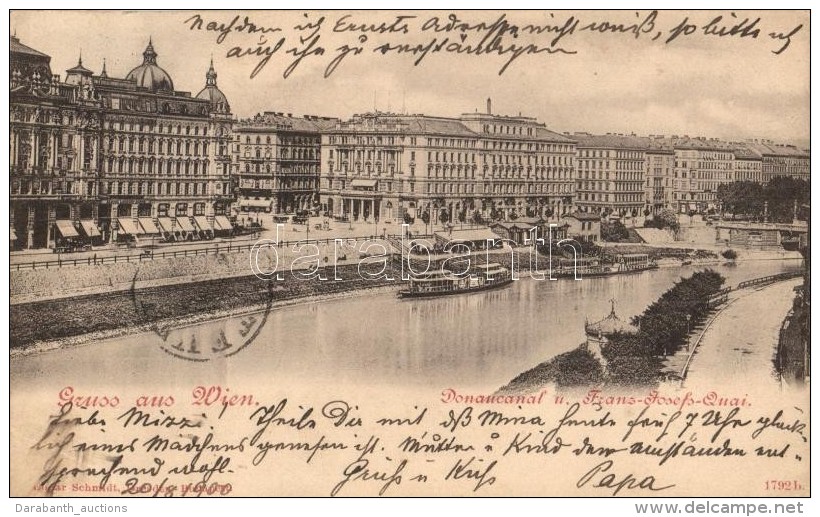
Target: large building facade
pixel 53 149
pixel 98 159
pixel 277 162
pixel 611 174
pixel 659 175
pixel 480 166
pixel 101 159
pixel 701 165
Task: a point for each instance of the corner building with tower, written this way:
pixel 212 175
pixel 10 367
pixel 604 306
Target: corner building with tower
pixel 97 159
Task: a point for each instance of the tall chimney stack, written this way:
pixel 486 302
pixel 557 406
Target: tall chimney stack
pixel 489 106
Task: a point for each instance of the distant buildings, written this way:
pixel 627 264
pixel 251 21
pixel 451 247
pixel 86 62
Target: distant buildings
pixel 781 160
pixel 583 226
pixel 97 159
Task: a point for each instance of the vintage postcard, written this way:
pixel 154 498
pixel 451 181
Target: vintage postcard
pixel 409 253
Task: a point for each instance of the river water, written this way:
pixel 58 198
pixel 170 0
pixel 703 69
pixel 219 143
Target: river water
pixel 475 341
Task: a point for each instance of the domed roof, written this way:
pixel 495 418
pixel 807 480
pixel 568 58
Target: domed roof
pixel 610 325
pixel 149 74
pixel 219 103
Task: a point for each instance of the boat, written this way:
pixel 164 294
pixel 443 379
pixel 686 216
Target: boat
pixel 443 282
pixel 593 266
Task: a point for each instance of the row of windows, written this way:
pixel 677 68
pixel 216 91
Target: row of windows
pixel 599 153
pixel 277 184
pixel 456 143
pixel 620 165
pixel 295 140
pixel 299 169
pixel 148 188
pixel 143 145
pixel 168 129
pixel 616 198
pixel 539 173
pixel 286 153
pixel 150 165
pixel 601 185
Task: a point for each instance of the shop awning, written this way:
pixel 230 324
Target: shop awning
pixel 222 222
pixel 90 228
pixel 166 224
pixel 184 224
pixel 148 226
pixel 363 183
pixel 12 234
pixel 129 226
pixel 202 222
pixel 66 228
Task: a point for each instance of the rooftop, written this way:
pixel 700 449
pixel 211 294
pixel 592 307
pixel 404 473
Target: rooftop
pixel 16 47
pixel 610 325
pixel 611 141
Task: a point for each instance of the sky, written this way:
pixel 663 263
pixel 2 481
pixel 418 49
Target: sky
pixel 597 80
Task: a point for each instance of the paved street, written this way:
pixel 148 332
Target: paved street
pixel 738 348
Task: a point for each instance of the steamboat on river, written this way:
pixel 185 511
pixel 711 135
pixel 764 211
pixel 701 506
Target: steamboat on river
pixel 443 282
pixel 595 266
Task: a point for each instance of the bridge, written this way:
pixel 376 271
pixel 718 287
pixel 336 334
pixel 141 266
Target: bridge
pixel 760 235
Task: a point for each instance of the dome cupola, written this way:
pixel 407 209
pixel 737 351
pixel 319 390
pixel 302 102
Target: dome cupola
pixel 219 103
pixel 149 75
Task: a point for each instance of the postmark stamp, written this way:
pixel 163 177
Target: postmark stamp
pixel 185 340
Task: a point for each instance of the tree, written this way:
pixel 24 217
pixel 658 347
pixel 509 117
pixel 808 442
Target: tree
pixel 476 217
pixel 444 216
pixel 741 197
pixel 729 254
pixel 614 232
pixel 665 219
pixel 407 218
pixel 425 217
pixel 781 193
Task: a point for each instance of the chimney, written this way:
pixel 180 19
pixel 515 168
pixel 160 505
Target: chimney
pixel 489 106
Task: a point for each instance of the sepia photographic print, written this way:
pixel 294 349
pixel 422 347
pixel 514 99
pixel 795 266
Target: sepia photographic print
pixel 409 253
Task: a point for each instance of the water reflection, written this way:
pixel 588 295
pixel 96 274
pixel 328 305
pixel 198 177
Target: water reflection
pixel 477 340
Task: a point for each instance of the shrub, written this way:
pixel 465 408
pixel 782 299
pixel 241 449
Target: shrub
pixel 729 254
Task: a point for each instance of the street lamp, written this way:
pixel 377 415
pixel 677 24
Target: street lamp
pixel 688 338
